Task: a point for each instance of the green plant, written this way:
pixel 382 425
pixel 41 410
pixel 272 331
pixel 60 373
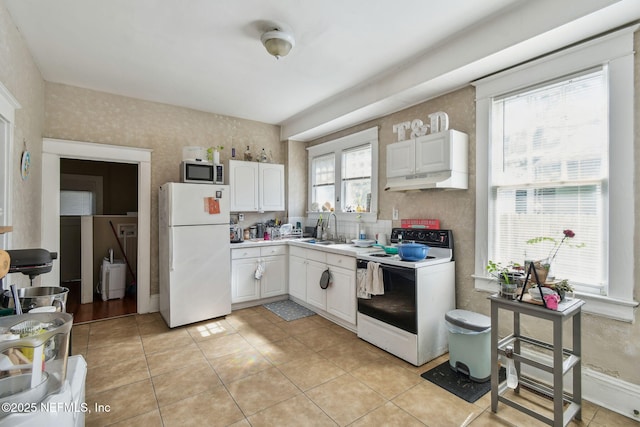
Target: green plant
pixel 567 234
pixel 563 286
pixel 505 273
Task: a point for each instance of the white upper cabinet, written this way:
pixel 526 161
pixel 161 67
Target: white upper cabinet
pixel 256 187
pixel 433 153
pixel 271 185
pixel 438 160
pixel 401 158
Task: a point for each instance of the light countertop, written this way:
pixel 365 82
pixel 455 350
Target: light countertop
pixel 338 248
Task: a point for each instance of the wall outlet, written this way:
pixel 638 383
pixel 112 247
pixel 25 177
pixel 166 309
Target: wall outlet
pixel 395 214
pixel 127 230
pixel 240 217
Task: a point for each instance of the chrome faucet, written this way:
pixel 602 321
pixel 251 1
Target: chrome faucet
pixel 334 235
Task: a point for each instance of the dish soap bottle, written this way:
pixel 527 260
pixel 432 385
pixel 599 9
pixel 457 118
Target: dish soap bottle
pixel 247 155
pixel 263 156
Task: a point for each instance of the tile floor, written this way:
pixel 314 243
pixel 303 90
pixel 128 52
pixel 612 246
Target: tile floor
pixel 254 369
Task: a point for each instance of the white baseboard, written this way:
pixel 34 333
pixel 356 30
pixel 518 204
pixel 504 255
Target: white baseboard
pixel 603 390
pixel 154 303
pixel 612 393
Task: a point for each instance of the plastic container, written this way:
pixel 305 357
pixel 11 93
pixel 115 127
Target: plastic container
pixel 112 279
pixel 33 356
pixel 194 153
pixel 469 344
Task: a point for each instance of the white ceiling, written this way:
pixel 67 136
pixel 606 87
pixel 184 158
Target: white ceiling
pixel 353 60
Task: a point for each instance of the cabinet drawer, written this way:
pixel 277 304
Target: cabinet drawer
pixel 242 253
pixel 296 251
pixel 319 256
pixel 343 261
pixel 273 250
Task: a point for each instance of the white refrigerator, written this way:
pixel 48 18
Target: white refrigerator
pixel 194 253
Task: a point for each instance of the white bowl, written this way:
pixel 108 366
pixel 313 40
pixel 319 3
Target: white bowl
pixel 363 243
pixel 535 292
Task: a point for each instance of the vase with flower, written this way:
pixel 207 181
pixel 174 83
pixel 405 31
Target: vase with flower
pixel 543 266
pixel 213 154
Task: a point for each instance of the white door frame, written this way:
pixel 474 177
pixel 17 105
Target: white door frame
pixel 8 106
pixel 52 151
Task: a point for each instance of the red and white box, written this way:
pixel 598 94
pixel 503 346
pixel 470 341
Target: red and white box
pixel 431 224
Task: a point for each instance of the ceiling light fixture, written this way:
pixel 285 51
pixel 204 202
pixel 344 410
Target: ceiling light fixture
pixel 278 42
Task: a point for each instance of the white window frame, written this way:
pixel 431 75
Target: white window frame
pixel 8 106
pixel 615 50
pixel 337 146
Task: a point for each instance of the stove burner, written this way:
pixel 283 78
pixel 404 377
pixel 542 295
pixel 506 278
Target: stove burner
pixel 381 255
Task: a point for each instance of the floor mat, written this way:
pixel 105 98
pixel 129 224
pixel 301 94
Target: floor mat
pixel 459 384
pixel 288 310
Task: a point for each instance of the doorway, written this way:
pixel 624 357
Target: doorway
pixel 53 151
pixel 98 237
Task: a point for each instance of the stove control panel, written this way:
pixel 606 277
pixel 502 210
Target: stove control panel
pixel 433 238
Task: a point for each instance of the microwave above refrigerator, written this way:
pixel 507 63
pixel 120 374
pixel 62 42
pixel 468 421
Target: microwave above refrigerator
pixel 198 172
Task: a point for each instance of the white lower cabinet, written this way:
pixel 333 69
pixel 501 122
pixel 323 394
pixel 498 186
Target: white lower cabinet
pixel 244 286
pixel 305 271
pixel 297 274
pixel 316 296
pixel 341 295
pixel 244 263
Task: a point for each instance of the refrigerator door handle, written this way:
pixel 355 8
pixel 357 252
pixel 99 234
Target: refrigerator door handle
pixel 172 249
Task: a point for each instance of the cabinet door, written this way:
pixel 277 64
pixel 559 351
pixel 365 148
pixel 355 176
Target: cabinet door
pixel 433 152
pixel 271 185
pixel 274 279
pixel 298 277
pixel 243 184
pixel 341 295
pixel 316 296
pixel 401 158
pixel 244 286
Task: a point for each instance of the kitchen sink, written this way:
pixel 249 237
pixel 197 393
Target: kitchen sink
pixel 324 242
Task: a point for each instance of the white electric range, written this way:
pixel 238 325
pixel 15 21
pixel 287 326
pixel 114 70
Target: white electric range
pixel 408 319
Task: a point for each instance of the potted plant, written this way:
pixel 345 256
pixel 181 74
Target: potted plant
pixel 562 287
pixel 213 154
pixel 509 277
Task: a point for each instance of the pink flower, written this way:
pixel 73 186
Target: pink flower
pixel 568 233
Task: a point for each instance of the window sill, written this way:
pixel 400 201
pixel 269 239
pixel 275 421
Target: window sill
pixel 598 305
pixel 346 216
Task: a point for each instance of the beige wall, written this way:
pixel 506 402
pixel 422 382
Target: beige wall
pixel 86 115
pixel 609 346
pixel 20 75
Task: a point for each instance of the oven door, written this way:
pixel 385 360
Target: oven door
pixel 397 307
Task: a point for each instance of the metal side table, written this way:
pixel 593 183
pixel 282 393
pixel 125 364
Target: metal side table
pixel 564 360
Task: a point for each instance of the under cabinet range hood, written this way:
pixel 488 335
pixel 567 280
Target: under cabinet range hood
pixel 427 181
pixel 432 161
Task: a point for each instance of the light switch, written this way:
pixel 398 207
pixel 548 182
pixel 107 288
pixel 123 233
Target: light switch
pixel 395 213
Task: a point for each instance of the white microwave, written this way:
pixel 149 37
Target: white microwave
pixel 197 172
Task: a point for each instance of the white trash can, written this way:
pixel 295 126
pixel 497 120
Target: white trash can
pixel 112 279
pixel 469 344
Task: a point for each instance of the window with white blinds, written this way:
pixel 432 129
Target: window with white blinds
pixel 323 181
pixel 356 179
pixel 343 175
pixel 548 173
pixel 77 203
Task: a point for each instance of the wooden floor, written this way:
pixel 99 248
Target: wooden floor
pixel 99 309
